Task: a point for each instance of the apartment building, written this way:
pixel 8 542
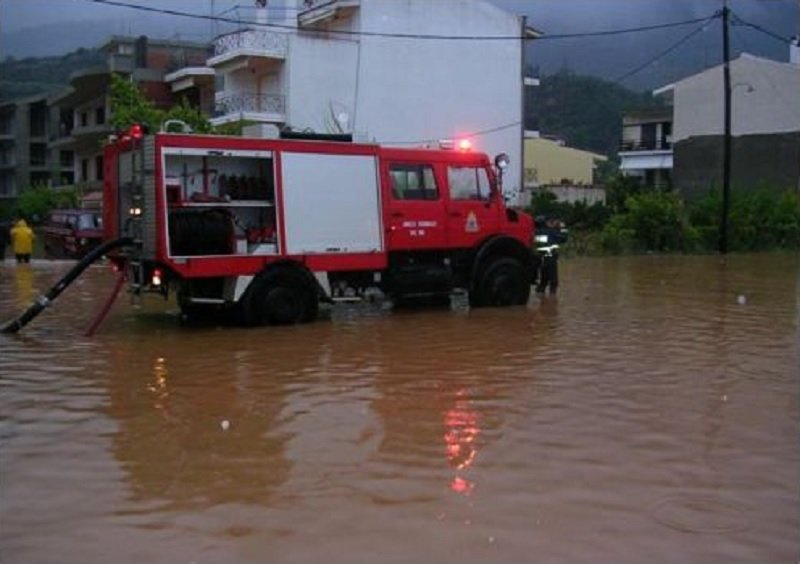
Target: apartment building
pixel 681 144
pixel 765 126
pixel 371 69
pixel 26 127
pixel 84 110
pixel 646 148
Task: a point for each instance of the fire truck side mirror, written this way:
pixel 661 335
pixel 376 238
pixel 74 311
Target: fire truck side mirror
pixel 502 161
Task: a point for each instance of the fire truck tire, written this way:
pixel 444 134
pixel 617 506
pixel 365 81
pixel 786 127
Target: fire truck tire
pixel 280 298
pixel 502 283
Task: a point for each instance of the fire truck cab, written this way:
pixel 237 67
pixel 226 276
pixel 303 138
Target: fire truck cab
pixel 268 228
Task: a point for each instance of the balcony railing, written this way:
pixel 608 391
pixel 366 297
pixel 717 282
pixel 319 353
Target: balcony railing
pixel 316 11
pixel 270 43
pixel 250 103
pixel 657 145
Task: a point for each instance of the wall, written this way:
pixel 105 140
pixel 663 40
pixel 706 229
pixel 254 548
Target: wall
pixel 771 161
pixel 321 82
pixel 764 100
pixel 553 163
pixel 571 194
pixel 416 89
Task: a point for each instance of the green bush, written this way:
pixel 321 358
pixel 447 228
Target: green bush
pixel 619 189
pixel 36 202
pixel 657 220
pixel 758 220
pixel 617 237
pixel 578 216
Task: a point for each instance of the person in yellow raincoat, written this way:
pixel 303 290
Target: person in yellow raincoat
pixel 22 241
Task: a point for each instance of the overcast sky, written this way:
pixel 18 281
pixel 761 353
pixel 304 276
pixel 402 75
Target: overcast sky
pixel 562 15
pixel 54 27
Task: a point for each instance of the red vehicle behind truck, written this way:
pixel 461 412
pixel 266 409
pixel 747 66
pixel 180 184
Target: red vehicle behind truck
pixel 268 228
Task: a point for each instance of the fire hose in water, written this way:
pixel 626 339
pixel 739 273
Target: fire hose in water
pixel 44 300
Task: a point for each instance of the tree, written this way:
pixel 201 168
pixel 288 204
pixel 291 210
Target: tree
pixel 129 106
pixel 36 202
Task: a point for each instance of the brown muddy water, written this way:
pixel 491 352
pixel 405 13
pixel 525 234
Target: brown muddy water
pixel 646 414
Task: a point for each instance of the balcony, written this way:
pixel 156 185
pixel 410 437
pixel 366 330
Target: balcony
pixel 320 11
pixel 190 77
pixel 244 106
pixel 645 155
pixel 640 146
pixel 237 47
pixel 93 130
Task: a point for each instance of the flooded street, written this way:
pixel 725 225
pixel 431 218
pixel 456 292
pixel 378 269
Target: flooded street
pixel 649 413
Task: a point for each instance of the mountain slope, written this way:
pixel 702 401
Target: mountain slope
pixel 584 111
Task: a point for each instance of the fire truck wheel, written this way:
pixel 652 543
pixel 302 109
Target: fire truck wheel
pixel 502 283
pixel 283 298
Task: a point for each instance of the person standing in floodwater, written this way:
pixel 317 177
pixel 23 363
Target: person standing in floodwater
pixel 5 239
pixel 22 240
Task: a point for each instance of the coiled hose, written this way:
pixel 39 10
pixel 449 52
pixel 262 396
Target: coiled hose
pixel 44 300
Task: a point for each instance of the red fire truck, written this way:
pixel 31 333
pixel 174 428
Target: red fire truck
pixel 268 228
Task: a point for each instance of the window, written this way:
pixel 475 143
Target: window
pixel 100 115
pixel 89 221
pixel 84 119
pixel 84 170
pixel 468 183
pixel 98 167
pixel 413 182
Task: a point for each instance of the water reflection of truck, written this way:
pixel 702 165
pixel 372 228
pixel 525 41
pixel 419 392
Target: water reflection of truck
pixel 269 227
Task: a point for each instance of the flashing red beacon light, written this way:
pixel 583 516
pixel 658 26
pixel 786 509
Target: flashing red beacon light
pixel 464 145
pixel 136 131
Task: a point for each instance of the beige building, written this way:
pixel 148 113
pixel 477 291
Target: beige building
pixel 567 172
pixel 550 162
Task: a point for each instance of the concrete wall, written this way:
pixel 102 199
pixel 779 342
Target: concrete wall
pixel 770 161
pixel 765 99
pixel 572 194
pixel 407 92
pixel 321 81
pixel 415 89
pixel 547 162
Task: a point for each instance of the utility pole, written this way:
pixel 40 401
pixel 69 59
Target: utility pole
pixel 726 151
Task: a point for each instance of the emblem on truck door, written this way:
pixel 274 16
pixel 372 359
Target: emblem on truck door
pixel 472 223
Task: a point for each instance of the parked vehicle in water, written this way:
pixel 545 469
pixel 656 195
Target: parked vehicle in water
pixel 71 233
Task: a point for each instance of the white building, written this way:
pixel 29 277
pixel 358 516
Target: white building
pixel 646 148
pixel 765 126
pixel 361 67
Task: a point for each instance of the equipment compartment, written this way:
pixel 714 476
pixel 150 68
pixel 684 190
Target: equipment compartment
pixel 220 203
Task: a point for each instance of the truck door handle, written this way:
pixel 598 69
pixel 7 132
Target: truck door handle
pixel 398 214
pixel 456 214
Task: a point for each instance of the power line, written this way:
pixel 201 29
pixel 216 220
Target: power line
pixel 472 134
pixel 668 50
pixel 737 21
pixel 166 11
